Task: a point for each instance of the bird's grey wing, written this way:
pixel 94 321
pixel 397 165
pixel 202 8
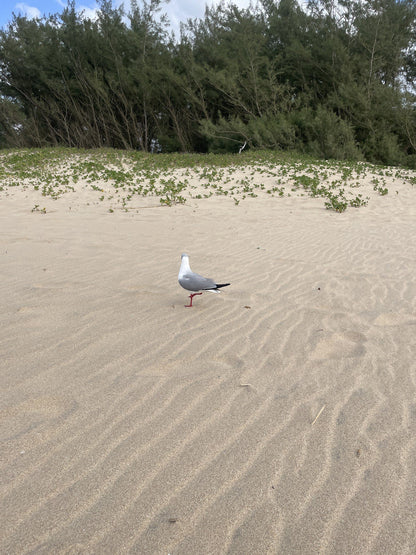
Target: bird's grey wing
pixel 195 282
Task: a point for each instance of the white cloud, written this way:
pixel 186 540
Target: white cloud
pixel 182 10
pixel 176 10
pixel 29 11
pixel 88 13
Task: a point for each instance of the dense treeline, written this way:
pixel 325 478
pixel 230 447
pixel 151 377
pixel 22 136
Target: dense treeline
pixel 335 80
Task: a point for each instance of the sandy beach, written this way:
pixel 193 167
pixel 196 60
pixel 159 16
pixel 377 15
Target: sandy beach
pixel 276 417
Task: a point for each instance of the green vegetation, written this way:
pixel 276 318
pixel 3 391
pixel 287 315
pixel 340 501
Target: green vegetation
pixel 334 80
pixel 122 179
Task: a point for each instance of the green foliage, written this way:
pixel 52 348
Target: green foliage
pixel 336 203
pixel 328 136
pixel 335 80
pixel 122 179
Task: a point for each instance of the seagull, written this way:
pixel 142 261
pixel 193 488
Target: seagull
pixel 194 282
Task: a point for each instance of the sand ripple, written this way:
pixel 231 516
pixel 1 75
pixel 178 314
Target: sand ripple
pixel 277 417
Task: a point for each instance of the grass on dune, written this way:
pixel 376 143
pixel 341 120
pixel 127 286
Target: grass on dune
pixel 120 176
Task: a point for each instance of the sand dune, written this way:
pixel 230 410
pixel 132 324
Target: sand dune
pixel 276 417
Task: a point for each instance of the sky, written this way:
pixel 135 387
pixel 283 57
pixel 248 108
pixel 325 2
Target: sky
pixel 177 10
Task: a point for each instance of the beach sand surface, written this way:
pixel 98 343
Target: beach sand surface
pixel 276 417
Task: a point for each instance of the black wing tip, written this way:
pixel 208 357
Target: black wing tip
pixel 218 285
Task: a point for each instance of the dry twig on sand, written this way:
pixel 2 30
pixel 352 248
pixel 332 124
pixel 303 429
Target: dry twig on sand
pixel 318 415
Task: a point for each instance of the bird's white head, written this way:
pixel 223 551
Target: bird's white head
pixel 184 265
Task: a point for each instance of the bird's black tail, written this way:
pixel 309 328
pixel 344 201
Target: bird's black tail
pixel 222 285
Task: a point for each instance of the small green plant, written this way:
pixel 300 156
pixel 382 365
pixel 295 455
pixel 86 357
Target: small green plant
pixel 381 190
pixel 170 199
pixel 358 201
pixel 170 192
pixel 377 187
pixel 338 204
pixel 37 209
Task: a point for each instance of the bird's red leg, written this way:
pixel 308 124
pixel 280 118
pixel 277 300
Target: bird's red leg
pixel 191 297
